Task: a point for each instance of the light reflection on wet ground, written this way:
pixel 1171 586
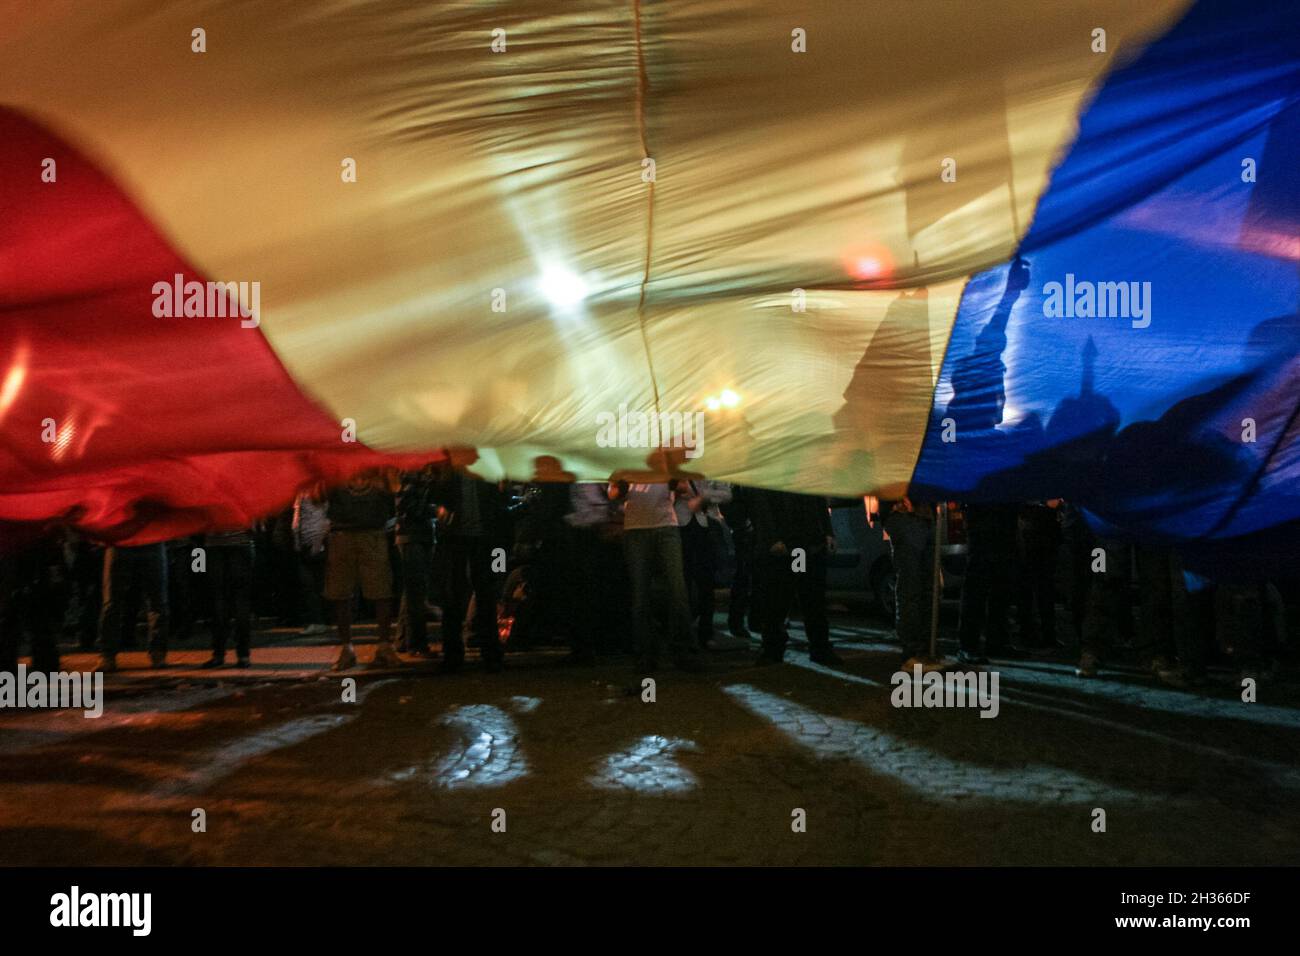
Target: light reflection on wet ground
pixel 932 775
pixel 649 766
pixel 487 752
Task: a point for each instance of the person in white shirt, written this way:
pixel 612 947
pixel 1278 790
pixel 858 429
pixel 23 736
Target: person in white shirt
pixel 652 545
pixel 311 526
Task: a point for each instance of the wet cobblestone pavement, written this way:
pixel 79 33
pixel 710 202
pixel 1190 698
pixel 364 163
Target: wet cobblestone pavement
pixel 577 768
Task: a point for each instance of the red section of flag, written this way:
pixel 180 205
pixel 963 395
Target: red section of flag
pixel 137 428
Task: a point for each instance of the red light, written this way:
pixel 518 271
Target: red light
pixel 868 262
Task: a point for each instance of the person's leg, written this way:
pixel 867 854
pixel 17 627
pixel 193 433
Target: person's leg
pixel 115 588
pixel 1080 553
pixel 10 614
pixel 384 619
pixel 1242 614
pixel 689 571
pixel 584 585
pixel 343 621
pixel 456 592
pixel 909 540
pixel 707 575
pixel 1107 602
pixel 1196 637
pixel 1044 574
pixel 1002 571
pixel 811 588
pixel 340 583
pixel 773 585
pixel 907 609
pixel 974 598
pixel 1024 590
pixel 668 558
pixel 180 580
pixel 310 584
pixel 487 594
pixel 1155 581
pixel 219 580
pixel 737 609
pixel 638 545
pixel 241 600
pixel 415 592
pixel 698 573
pixel 153 583
pixel 375 573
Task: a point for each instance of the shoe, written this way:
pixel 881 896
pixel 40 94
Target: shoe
pixel 826 657
pixel 243 662
pixel 1087 666
pixel 971 659
pixel 311 630
pixel 420 651
pixel 741 632
pixel 385 657
pixel 107 664
pixel 157 659
pixel 213 662
pixel 767 660
pixel 347 659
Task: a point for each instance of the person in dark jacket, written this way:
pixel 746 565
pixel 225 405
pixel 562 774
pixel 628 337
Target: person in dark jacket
pixel 792 536
pixel 33 576
pixel 742 608
pixel 909 526
pixel 230 574
pixel 987 586
pixel 474 535
pixel 416 516
pixel 134 576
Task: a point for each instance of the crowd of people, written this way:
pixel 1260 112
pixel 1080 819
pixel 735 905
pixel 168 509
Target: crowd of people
pixel 617 567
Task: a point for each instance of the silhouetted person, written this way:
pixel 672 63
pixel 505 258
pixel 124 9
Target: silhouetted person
pixel 474 535
pixel 697 516
pixel 653 547
pixel 416 516
pixel 742 608
pixel 1040 540
pixel 792 536
pixel 356 555
pixel 910 528
pixel 131 575
pixel 229 558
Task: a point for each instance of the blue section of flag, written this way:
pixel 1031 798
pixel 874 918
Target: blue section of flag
pixel 1170 411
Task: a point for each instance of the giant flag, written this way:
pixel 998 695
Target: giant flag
pixel 987 250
